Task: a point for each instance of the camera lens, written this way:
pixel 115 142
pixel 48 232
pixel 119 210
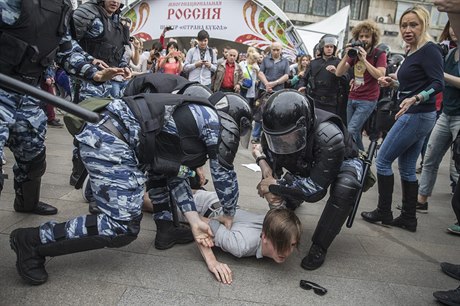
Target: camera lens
pixel 353 52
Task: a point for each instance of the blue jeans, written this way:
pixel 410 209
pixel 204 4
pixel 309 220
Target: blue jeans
pixel 358 111
pixel 404 142
pixel 117 89
pixel 257 130
pixel 444 132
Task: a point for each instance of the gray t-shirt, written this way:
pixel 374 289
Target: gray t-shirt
pixel 243 239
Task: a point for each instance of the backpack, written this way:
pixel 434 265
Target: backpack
pixel 75 124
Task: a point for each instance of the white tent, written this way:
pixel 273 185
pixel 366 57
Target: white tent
pixel 336 24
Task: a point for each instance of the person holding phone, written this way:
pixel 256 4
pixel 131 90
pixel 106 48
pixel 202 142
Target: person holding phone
pixel 200 61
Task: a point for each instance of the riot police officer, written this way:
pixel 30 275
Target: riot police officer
pixel 164 134
pixel 32 35
pixel 317 153
pixel 320 81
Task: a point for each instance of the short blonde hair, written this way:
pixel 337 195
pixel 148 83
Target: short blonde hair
pixel 424 16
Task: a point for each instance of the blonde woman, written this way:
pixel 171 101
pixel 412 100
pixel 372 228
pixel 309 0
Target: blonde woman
pixel 250 69
pixel 419 81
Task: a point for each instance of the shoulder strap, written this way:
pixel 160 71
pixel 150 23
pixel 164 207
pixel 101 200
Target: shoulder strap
pixel 211 54
pixel 250 76
pixel 377 55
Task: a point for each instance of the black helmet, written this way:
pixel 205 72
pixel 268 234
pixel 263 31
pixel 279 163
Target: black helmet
pixel 196 90
pixel 328 39
pixel 384 47
pixel 396 60
pixel 156 83
pixel 316 50
pixel 238 108
pixel 287 121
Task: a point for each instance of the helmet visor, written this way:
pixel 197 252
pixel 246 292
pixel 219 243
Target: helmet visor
pixel 287 143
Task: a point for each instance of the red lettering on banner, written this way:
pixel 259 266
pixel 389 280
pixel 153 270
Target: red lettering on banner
pixel 170 12
pixel 197 13
pixel 216 12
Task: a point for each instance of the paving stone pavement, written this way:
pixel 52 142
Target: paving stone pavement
pixel 366 265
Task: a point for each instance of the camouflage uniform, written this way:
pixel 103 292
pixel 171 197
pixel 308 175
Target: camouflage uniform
pixel 117 178
pixel 89 89
pixel 22 121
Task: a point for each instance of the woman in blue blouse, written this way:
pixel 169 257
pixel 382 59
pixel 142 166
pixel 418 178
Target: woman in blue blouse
pixel 420 78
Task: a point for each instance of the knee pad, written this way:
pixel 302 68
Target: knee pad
pixel 345 188
pixel 93 241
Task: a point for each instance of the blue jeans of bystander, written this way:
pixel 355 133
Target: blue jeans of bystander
pixel 358 111
pixel 404 142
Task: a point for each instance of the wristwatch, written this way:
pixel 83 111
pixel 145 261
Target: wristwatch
pixel 417 100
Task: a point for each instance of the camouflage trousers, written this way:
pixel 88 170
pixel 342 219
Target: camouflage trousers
pixel 116 181
pixel 23 129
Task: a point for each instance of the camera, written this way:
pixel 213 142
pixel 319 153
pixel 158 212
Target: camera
pixel 353 52
pixel 168 28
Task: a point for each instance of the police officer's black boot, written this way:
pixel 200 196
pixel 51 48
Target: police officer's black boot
pixel 29 263
pixel 407 220
pixel 168 234
pixel 383 212
pixel 28 192
pixel 336 212
pixel 27 198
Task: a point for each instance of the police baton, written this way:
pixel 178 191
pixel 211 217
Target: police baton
pixel 23 88
pixel 367 165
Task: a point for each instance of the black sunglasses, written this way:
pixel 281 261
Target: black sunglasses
pixel 317 289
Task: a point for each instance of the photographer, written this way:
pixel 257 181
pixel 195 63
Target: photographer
pixel 369 64
pixel 200 62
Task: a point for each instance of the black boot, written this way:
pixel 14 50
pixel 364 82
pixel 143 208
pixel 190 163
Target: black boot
pixel 315 258
pixel 383 212
pixel 168 234
pixel 407 220
pixel 29 263
pixel 27 198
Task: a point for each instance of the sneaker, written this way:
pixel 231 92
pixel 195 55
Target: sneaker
pixel 422 207
pixel 451 297
pixel 454 229
pixel 55 123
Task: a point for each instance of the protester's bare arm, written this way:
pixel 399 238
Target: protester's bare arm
pixel 448 6
pixel 452 80
pixel 220 270
pixel 201 230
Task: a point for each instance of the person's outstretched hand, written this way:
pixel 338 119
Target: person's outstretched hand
pixel 221 271
pixel 107 74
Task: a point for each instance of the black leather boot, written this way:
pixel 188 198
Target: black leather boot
pixel 29 263
pixel 168 234
pixel 383 212
pixel 27 198
pixel 407 220
pixel 315 258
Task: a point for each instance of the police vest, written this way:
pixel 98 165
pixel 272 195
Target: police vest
pixel 31 43
pixel 110 45
pixel 322 83
pixel 165 152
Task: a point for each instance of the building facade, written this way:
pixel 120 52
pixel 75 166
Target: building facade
pixel 386 12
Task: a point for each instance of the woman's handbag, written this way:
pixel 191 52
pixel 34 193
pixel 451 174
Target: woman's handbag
pixel 247 83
